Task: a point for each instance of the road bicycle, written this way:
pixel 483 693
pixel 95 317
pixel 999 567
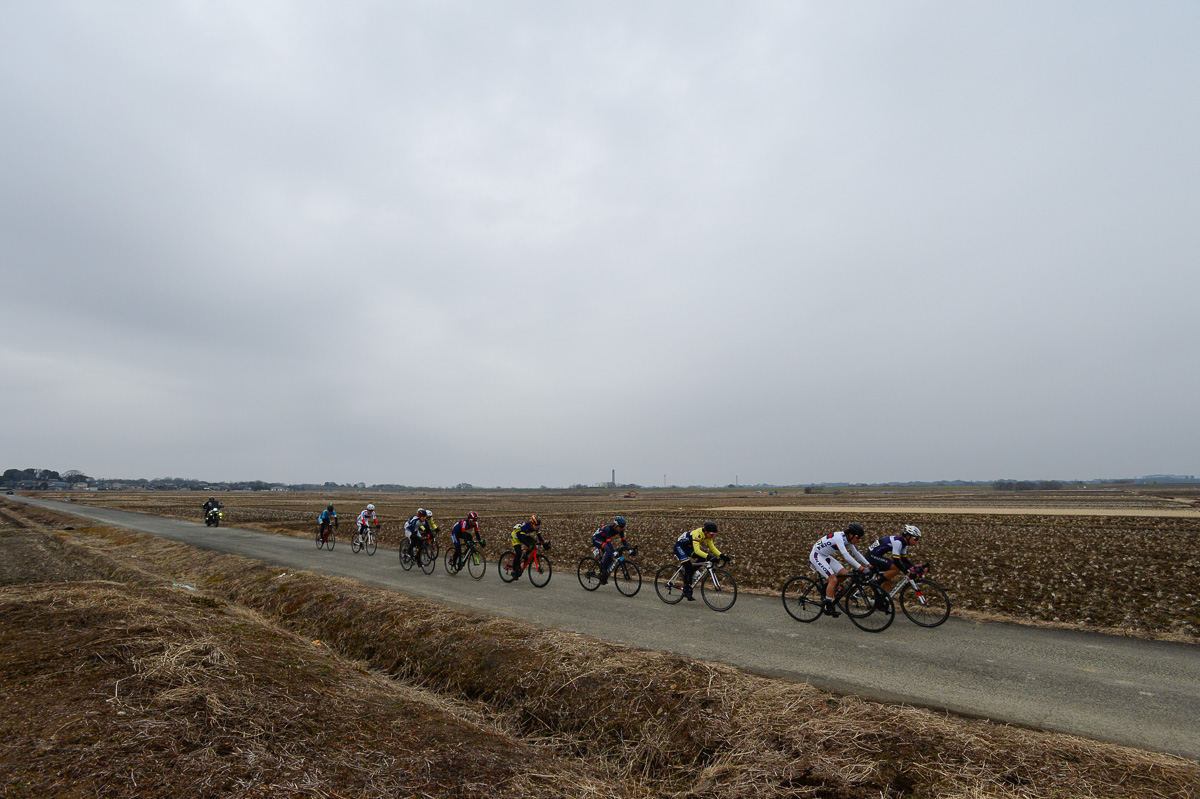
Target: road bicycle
pixel 624 573
pixel 717 586
pixel 326 536
pixel 366 538
pixel 923 601
pixel 472 558
pixel 535 563
pixel 418 552
pixel 867 605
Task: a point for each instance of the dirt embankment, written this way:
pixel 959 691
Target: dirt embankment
pixel 187 672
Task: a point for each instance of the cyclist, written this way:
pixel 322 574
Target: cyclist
pixel 429 529
pixel 602 539
pixel 328 518
pixel 890 554
pixel 689 550
pixel 212 504
pixel 367 519
pixel 462 531
pixel 526 534
pixel 825 564
pixel 414 530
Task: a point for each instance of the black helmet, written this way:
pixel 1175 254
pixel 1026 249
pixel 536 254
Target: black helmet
pixel 854 528
pixel 710 527
pixel 619 521
pixel 330 507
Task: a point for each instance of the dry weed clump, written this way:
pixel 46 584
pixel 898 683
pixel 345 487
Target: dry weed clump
pixel 112 690
pixel 665 725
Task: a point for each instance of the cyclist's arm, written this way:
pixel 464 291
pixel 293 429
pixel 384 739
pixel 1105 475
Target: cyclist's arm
pixel 856 559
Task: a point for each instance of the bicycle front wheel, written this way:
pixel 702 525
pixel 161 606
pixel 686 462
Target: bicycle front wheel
pixel 718 590
pixel 803 598
pixel 589 573
pixel 329 539
pixel 428 559
pixel 476 564
pixel 505 566
pixel 927 605
pixel 627 577
pixel 539 572
pixel 668 583
pixel 874 611
pixel 371 544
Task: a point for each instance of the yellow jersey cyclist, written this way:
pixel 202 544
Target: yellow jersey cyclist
pixel 695 547
pixel 525 535
pixel 823 561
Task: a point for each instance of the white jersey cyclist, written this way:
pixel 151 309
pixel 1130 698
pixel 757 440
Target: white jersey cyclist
pixel 823 560
pixel 367 518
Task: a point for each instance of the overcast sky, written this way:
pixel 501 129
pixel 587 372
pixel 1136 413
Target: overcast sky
pixel 526 243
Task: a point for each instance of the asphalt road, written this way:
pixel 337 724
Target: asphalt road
pixel 1139 693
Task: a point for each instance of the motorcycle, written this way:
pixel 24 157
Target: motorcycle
pixel 213 518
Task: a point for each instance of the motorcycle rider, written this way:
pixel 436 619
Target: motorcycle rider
pixel 211 505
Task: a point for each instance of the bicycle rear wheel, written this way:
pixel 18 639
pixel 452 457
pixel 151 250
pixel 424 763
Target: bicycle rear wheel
pixel 356 543
pixel 476 564
pixel 505 566
pixel 588 572
pixel 874 610
pixel 451 565
pixel 927 605
pixel 803 598
pixel 539 572
pixel 718 590
pixel 320 543
pixel 406 558
pixel 668 583
pixel 627 577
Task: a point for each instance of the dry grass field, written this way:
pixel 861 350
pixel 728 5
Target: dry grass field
pixel 135 666
pixel 1088 559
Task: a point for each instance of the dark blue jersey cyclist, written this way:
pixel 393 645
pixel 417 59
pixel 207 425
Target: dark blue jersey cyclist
pixel 462 531
pixel 890 553
pixel 604 540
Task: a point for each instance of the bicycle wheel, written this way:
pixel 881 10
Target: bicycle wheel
pixel 882 611
pixel 668 583
pixel 451 565
pixel 371 544
pixel 406 558
pixel 927 605
pixel 589 573
pixel 320 543
pixel 356 543
pixel 803 598
pixel 628 577
pixel 505 566
pixel 329 539
pixel 539 571
pixel 428 558
pixel 718 590
pixel 476 564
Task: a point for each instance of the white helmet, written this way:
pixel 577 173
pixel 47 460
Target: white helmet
pixel 370 507
pixel 911 529
pixel 428 514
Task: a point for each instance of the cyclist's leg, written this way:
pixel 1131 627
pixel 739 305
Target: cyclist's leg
pixel 828 568
pixel 608 554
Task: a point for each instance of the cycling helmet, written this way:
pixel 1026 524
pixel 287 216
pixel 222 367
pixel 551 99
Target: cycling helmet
pixel 619 521
pixel 472 516
pixel 212 499
pixel 330 507
pixel 911 529
pixel 535 520
pixel 422 512
pixel 370 507
pixel 428 514
pixel 854 528
pixel 710 527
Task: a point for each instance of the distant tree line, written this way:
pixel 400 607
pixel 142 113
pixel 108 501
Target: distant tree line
pixel 1028 485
